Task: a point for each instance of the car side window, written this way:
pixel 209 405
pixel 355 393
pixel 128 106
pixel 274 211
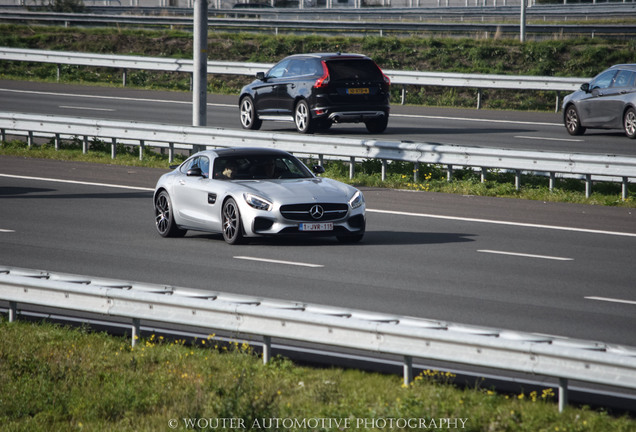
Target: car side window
pixel 312 67
pixel 624 79
pixel 295 68
pixel 201 162
pixel 187 165
pixel 603 81
pixel 279 70
pixel 204 164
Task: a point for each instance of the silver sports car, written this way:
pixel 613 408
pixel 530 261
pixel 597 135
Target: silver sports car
pixel 248 192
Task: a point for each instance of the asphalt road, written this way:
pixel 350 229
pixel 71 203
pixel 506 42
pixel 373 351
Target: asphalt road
pixel 466 127
pixel 556 269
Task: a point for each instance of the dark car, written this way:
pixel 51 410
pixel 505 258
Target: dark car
pixel 607 102
pixel 316 90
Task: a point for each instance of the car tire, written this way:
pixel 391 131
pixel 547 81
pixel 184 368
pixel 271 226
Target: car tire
pixel 572 121
pixel 231 222
pixel 377 125
pixel 249 118
pixel 164 217
pixel 302 118
pixel 629 123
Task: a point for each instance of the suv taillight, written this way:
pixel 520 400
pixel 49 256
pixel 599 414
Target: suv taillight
pixel 323 81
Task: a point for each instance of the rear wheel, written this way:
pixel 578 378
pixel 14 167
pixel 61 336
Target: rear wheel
pixel 573 121
pixel 249 119
pixel 377 125
pixel 231 218
pixel 302 118
pixel 164 217
pixel 629 123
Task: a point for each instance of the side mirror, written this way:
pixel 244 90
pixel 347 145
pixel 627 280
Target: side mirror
pixel 260 76
pixel 318 169
pixel 195 172
pixel 585 87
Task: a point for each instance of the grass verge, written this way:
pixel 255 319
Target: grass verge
pixel 56 378
pixel 400 175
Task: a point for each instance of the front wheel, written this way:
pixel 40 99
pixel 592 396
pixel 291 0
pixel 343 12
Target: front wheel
pixel 249 119
pixel 231 219
pixel 164 217
pixel 302 118
pixel 573 121
pixel 629 123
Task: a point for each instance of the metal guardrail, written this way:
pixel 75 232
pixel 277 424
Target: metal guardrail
pixel 408 337
pixel 191 137
pixel 479 81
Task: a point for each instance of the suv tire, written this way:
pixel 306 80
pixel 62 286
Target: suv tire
pixel 377 125
pixel 302 117
pixel 249 118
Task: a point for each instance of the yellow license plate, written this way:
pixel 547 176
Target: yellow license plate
pixel 358 91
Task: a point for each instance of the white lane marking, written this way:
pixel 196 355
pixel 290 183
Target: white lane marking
pixel 6 230
pixel 612 300
pixel 272 261
pixel 525 255
pixel 397 213
pixel 108 97
pixel 519 224
pixel 548 139
pixel 475 119
pixel 85 108
pixel 78 182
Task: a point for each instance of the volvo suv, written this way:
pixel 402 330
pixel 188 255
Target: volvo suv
pixel 315 91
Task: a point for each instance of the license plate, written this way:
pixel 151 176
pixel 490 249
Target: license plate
pixel 364 90
pixel 325 226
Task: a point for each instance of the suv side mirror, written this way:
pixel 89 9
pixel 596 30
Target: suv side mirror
pixel 318 169
pixel 585 87
pixel 260 76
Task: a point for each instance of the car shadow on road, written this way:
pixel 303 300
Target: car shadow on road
pixel 371 238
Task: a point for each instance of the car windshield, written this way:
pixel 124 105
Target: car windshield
pixel 362 70
pixel 259 167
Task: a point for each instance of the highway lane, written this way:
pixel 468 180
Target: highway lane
pixel 550 268
pixel 499 129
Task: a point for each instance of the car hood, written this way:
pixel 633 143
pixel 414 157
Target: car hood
pixel 290 191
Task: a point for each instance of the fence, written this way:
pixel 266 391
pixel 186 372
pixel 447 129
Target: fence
pixel 478 81
pixel 408 337
pixel 610 167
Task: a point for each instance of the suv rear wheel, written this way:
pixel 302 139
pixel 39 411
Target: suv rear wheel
pixel 302 117
pixel 377 125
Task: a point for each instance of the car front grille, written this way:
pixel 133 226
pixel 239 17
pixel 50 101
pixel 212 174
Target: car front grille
pixel 303 212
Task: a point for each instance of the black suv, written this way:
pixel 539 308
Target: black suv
pixel 316 90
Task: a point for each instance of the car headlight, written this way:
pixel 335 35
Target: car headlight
pixel 257 202
pixel 356 200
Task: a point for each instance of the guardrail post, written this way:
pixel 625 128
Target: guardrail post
pixel 113 148
pixel 30 139
pixel 124 77
pixel 57 141
pixel 403 94
pixel 408 370
pixel 558 98
pixel 267 349
pixel 383 169
pixel 3 135
pixel 517 179
pixel 85 145
pixel 352 167
pixel 59 71
pixel 136 331
pixel 588 185
pixel 484 172
pixel 478 98
pixel 625 188
pixel 449 173
pixel 552 180
pixel 142 145
pixel 13 311
pixel 563 393
pixel 170 152
pixel 416 172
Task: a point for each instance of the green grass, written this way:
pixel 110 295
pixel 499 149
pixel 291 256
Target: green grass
pixel 431 178
pixel 61 379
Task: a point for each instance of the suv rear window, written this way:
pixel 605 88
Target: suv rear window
pixel 364 70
